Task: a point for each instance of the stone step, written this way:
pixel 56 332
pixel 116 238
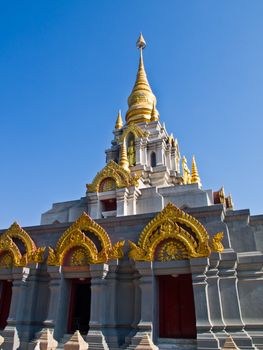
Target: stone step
pixel 176 344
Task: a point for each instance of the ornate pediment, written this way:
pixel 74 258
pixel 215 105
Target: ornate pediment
pixel 84 242
pixel 174 235
pixel 10 254
pixel 113 172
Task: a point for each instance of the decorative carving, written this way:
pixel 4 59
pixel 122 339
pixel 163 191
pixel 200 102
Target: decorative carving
pixel 172 234
pixel 79 257
pixel 7 246
pixel 131 153
pixel 6 260
pixel 83 248
pixel 115 172
pixel 135 130
pixel 107 184
pixel 173 250
pixel 215 242
pixel 116 251
pixel 32 255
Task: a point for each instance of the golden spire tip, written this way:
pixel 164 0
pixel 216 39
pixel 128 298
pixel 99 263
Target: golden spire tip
pixel 119 122
pixel 195 175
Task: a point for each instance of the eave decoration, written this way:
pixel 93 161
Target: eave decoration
pixel 135 130
pixel 174 235
pixel 84 242
pixel 10 253
pixel 113 171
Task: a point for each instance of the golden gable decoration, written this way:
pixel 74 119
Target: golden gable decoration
pixel 174 235
pixel 135 130
pixel 94 247
pixel 10 254
pixel 113 171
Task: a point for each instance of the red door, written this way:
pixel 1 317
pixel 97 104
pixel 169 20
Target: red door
pixel 79 308
pixel 5 302
pixel 176 307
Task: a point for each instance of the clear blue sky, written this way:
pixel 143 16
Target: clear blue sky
pixel 66 67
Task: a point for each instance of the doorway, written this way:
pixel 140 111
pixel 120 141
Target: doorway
pixel 79 308
pixel 5 302
pixel 176 307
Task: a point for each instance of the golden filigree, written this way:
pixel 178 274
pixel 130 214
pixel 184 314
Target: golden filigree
pixel 113 171
pixel 32 255
pixel 116 251
pixel 6 260
pixel 171 224
pixel 135 130
pixel 8 246
pixel 79 257
pixel 173 250
pixel 52 259
pixel 16 231
pixel 215 242
pixel 136 253
pixel 74 238
pixel 37 256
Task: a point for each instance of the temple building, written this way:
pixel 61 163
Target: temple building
pixel 146 259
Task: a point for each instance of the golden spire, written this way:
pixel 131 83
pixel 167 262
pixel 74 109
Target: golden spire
pixel 141 99
pixel 119 122
pixel 195 176
pixel 124 159
pixel 154 114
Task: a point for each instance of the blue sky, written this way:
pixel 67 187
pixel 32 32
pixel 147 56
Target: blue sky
pixel 66 67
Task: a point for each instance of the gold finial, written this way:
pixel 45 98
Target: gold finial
pixel 155 113
pixel 119 122
pixel 194 175
pixel 124 163
pixel 141 99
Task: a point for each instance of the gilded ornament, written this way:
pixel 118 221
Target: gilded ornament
pixel 116 252
pixel 136 253
pixel 141 99
pixel 75 241
pixel 195 175
pixel 52 259
pixel 33 254
pixel 6 260
pixel 216 242
pixel 112 170
pixel 8 246
pixel 186 236
pixel 79 257
pixel 131 153
pixel 173 250
pixel 119 122
pixel 136 130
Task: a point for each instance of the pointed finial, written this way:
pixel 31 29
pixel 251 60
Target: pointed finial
pixel 119 122
pixel 141 99
pixel 194 175
pixel 124 163
pixel 141 43
pixel 155 113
